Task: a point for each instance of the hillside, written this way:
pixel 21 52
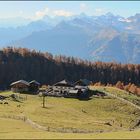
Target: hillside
pixel 106 115
pixel 121 48
pixel 26 132
pixel 63 39
pixel 124 96
pixel 22 63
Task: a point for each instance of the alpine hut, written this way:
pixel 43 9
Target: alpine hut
pixel 82 87
pixel 34 86
pixel 82 82
pixel 20 86
pixel 60 88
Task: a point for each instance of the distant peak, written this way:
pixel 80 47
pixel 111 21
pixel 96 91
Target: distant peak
pixel 109 14
pixel 137 15
pixel 83 15
pixel 46 17
pixel 63 24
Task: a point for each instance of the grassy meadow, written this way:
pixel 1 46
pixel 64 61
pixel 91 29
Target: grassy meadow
pixel 120 93
pixel 68 118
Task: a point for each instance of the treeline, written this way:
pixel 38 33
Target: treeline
pixel 131 88
pixel 22 63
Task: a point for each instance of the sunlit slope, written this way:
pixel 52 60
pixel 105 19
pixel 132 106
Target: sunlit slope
pixel 72 115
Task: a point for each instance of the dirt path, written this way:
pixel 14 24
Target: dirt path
pixel 50 129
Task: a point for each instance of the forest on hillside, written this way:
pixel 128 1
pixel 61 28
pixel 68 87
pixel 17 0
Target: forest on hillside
pixel 22 63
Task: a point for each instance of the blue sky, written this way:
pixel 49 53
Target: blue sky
pixel 37 9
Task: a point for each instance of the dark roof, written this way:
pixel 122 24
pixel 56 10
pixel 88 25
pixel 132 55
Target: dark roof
pixel 34 81
pixel 64 82
pixel 83 81
pixel 20 81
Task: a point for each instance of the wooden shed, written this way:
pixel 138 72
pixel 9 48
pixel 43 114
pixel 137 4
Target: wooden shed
pixel 20 86
pixel 34 86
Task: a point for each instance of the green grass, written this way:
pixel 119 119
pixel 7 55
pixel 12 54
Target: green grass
pixel 14 129
pixel 121 93
pixel 68 115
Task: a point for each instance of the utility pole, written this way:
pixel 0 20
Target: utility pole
pixel 43 101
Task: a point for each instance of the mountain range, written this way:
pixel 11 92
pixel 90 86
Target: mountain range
pixel 97 38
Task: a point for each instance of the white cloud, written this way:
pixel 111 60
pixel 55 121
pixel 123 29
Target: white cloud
pixel 47 11
pixel 99 11
pixel 83 7
pixel 41 13
pixel 62 13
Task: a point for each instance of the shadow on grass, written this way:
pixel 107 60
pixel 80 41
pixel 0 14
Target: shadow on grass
pixel 14 98
pixel 46 107
pixel 84 99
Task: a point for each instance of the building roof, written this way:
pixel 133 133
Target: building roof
pixel 20 81
pixel 34 81
pixel 81 87
pixel 73 91
pixel 82 82
pixel 64 83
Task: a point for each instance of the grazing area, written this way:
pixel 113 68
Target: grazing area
pixel 99 117
pixel 120 93
pixel 14 129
